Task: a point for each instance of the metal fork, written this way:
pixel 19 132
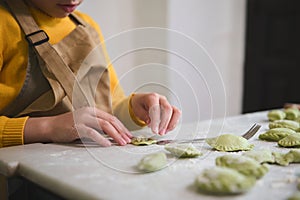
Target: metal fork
pixel 247 135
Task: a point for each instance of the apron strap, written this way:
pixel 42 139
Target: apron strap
pixel 55 64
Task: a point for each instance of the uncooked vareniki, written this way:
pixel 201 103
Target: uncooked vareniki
pixel 274 115
pixel 223 181
pixel 276 134
pixel 229 142
pixel 183 150
pixel 153 162
pixel 261 156
pixel 284 123
pixel 291 113
pixel 243 164
pixel 292 140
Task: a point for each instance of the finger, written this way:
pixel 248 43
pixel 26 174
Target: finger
pixel 154 114
pixel 166 114
pixel 91 133
pixel 121 129
pixel 117 124
pixel 110 130
pixel 174 119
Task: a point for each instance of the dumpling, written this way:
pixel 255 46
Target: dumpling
pixel 295 196
pixel 292 140
pixel 223 181
pixel 276 134
pixel 243 164
pixel 284 123
pixel 261 156
pixel 291 113
pixel 280 158
pixel 141 140
pixel 274 115
pixel 183 150
pixel 229 142
pixel 293 156
pixel 153 162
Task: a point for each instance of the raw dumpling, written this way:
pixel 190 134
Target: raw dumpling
pixel 243 164
pixel 291 113
pixel 141 140
pixel 280 158
pixel 276 134
pixel 223 181
pixel 292 140
pixel 293 156
pixel 229 142
pixel 183 150
pixel 261 156
pixel 153 162
pixel 274 115
pixel 295 196
pixel 284 123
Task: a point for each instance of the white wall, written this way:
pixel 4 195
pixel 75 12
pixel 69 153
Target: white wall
pixel 217 26
pixel 177 63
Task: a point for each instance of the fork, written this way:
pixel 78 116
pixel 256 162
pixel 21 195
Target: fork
pixel 247 135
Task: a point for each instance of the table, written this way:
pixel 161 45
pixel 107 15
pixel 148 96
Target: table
pixel 77 171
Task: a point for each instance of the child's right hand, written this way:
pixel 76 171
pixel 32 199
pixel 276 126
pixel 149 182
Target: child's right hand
pixel 85 122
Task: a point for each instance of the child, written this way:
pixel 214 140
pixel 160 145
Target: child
pixel 43 48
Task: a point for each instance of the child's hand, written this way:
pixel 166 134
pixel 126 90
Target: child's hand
pixel 156 111
pixel 85 122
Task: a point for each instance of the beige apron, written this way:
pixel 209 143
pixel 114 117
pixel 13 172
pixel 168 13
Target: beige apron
pixel 61 77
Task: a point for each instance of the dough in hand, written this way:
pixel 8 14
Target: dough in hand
pixel 223 181
pixel 245 165
pixel 276 134
pixel 153 162
pixel 229 142
pixel 141 140
pixel 183 150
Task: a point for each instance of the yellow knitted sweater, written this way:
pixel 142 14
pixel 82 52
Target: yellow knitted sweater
pixel 13 64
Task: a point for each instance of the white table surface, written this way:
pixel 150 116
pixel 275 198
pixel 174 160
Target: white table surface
pixel 77 171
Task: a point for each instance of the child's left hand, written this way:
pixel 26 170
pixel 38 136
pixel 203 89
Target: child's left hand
pixel 155 111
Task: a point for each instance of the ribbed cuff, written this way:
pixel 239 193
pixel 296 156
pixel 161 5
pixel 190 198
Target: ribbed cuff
pixel 132 115
pixel 13 131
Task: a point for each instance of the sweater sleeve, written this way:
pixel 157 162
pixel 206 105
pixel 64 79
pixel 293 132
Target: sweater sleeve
pixel 12 131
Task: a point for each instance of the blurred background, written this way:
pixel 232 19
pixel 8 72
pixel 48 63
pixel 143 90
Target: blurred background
pixel 211 58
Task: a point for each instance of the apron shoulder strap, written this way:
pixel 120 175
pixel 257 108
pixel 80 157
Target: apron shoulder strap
pixel 39 40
